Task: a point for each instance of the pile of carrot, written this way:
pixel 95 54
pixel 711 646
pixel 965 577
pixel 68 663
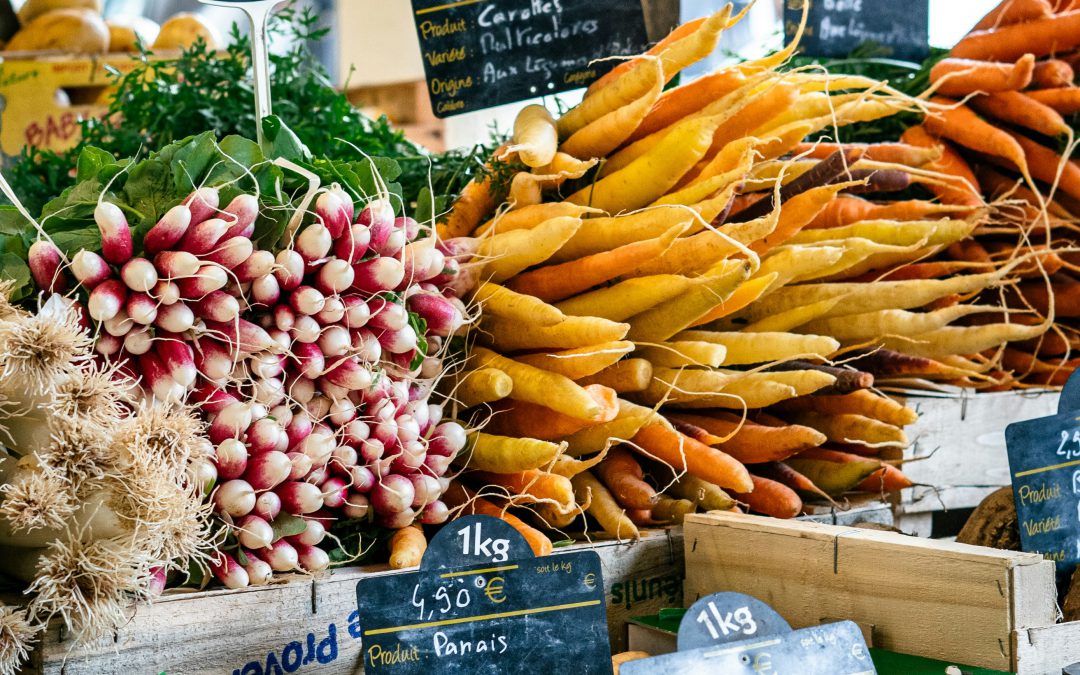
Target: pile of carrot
pixel 676 304
pixel 1005 102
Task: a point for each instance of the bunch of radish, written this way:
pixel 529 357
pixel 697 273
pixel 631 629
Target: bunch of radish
pixel 313 364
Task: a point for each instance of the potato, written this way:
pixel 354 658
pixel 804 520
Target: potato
pixel 80 31
pixel 126 32
pixel 182 30
pixel 35 8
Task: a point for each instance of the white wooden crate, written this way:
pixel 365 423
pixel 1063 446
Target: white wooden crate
pixel 941 600
pixel 957 456
pixel 311 625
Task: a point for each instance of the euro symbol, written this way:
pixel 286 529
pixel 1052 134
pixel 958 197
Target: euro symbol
pixel 590 580
pixel 494 590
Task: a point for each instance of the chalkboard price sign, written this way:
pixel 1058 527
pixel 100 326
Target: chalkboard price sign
pixel 737 634
pixel 483 53
pixel 835 28
pixel 1044 460
pixel 481 603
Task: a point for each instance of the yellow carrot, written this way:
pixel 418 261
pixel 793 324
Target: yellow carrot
pixel 599 438
pixel 964 339
pixel 650 176
pixel 625 376
pixel 602 506
pixel 793 318
pixel 580 362
pixel 685 353
pixel 660 323
pixel 597 235
pixel 575 331
pixel 855 429
pixel 511 252
pixel 501 454
pixel 627 298
pixel 508 304
pixel 601 136
pixel 485 385
pixel 744 348
pixel 541 387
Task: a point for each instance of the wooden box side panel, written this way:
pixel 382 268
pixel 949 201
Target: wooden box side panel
pixel 960 446
pixel 1046 650
pixel 312 625
pixel 933 599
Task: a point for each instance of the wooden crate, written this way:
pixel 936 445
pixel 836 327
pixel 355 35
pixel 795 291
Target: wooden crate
pixel 43 97
pixel 935 599
pixel 957 456
pixel 314 622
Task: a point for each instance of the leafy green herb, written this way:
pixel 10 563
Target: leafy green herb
pixel 161 102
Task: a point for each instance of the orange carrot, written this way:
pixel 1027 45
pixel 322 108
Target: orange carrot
pixel 1066 296
pixel 623 476
pixel 1045 164
pixel 693 431
pixel 458 495
pixel 963 189
pixel 771 498
pixel 745 294
pixel 1041 37
pixel 928 270
pixel 1053 73
pixel 531 486
pixel 685 454
pixel 530 420
pixel 886 479
pixel 891 153
pixel 1022 110
pixel 846 209
pixel 969 250
pixel 618 71
pixel 753 115
pixel 797 213
pixel 1065 100
pixel 682 101
pixel 1014 11
pixel 475 202
pixel 960 77
pixel 558 282
pixel 755 442
pixel 960 124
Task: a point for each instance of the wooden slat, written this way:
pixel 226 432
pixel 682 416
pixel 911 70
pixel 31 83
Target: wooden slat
pixel 936 599
pixel 959 445
pixel 222 631
pixel 1046 650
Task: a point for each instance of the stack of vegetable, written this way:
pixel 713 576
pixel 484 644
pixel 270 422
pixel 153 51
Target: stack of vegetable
pixel 1003 99
pixel 103 492
pixel 673 318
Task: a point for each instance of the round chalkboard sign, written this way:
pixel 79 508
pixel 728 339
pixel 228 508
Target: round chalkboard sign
pixel 728 617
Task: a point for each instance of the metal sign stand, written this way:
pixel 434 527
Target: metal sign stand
pixel 258 13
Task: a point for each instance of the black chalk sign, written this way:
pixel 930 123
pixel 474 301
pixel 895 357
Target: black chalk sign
pixel 737 634
pixel 481 603
pixel 483 53
pixel 1044 465
pixel 835 28
pixel 728 617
